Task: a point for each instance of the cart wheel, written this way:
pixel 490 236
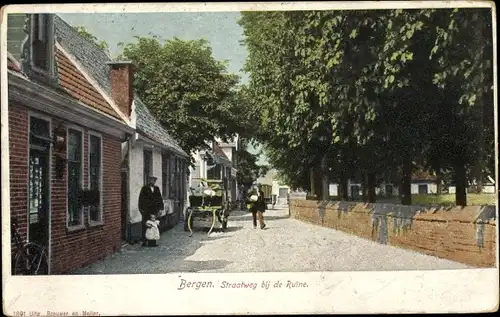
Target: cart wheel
pixel 186 225
pixel 224 224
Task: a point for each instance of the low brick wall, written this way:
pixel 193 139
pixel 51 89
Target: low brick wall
pixel 466 235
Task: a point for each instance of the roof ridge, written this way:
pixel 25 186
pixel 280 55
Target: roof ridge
pixel 83 37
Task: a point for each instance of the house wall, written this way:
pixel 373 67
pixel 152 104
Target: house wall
pixel 137 176
pixel 136 180
pixel 431 187
pixel 488 189
pixel 68 249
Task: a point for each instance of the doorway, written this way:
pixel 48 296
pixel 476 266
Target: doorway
pixel 422 189
pixel 39 182
pixel 38 200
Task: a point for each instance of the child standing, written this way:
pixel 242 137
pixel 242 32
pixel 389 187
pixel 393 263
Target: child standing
pixel 152 232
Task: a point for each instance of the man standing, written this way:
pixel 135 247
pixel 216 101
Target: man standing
pixel 150 202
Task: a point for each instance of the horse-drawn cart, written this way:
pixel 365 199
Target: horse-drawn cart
pixel 209 203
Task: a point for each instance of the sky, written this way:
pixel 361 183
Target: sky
pixel 219 28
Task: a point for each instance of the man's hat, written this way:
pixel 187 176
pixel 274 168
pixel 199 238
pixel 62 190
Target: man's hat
pixel 152 177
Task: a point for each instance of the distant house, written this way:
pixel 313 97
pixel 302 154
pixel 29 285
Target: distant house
pixel 280 190
pixel 422 183
pixel 65 139
pixel 230 149
pixel 150 150
pixel 214 165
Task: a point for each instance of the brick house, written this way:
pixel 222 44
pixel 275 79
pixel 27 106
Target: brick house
pixel 150 150
pixel 65 138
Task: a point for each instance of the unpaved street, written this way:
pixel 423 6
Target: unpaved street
pixel 286 245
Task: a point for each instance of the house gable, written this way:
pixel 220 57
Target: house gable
pixel 73 81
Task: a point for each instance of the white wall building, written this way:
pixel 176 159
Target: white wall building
pixel 152 151
pixel 280 190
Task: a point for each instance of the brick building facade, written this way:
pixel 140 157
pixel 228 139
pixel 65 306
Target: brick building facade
pixel 50 96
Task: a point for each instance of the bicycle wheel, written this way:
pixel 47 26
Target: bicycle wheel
pixel 33 261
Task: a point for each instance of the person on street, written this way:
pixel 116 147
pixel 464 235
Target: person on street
pixel 257 206
pixel 150 203
pixel 152 232
pixel 261 207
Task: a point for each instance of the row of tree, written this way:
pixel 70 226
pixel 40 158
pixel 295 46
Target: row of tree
pixel 373 95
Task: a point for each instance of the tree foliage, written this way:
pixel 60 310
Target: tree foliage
pixel 248 168
pixel 189 91
pixel 372 93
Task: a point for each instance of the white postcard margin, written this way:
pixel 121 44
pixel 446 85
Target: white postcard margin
pixel 440 291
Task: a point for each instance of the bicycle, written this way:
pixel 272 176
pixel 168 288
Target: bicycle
pixel 30 258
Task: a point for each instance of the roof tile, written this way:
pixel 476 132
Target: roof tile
pixel 94 60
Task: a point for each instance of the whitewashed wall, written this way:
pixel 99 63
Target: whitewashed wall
pixel 431 188
pixel 136 180
pixel 333 190
pixel 489 189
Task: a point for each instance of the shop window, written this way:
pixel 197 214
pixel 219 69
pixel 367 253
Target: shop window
pixel 95 178
pixel 75 177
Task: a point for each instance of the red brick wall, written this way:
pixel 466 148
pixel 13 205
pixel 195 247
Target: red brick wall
pixel 18 160
pixel 69 250
pixel 93 242
pixel 445 234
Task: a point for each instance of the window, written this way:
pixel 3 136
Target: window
pixel 148 165
pixel 75 177
pixel 95 178
pixel 214 172
pixel 42 50
pixel 389 190
pixel 183 180
pixel 173 178
pixel 422 189
pixel 355 191
pixel 164 174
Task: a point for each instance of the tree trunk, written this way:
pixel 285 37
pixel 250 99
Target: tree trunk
pixel 478 174
pixel 318 183
pixel 405 191
pixel 364 186
pixel 461 184
pixel 343 187
pixel 439 181
pixel 324 180
pixel 372 195
pixel 311 182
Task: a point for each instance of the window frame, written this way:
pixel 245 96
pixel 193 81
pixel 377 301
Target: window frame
pixel 165 173
pixel 101 178
pixel 49 175
pixel 49 19
pixel 82 176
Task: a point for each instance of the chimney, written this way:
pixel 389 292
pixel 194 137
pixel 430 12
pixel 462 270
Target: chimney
pixel 122 79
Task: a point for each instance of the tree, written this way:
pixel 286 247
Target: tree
pixel 248 168
pixel 188 90
pixel 102 44
pixel 367 91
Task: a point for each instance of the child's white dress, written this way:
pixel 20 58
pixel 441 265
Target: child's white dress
pixel 152 233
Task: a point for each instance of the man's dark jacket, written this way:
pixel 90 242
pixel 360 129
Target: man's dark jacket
pixel 150 202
